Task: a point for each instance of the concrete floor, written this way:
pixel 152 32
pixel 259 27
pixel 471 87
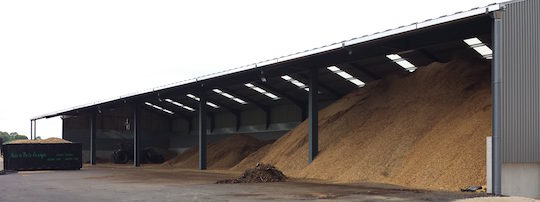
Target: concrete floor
pixel 123 183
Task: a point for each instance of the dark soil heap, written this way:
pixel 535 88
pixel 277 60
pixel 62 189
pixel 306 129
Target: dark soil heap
pixel 262 173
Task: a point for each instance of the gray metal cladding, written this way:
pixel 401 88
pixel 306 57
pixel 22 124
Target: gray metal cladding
pixel 520 84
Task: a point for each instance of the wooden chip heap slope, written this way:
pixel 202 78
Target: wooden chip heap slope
pixel 223 154
pixel 425 130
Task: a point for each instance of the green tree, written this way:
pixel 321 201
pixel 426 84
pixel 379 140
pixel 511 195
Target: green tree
pixel 7 137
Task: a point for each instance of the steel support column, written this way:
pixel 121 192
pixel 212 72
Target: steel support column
pixel 268 118
pixel 313 115
pixel 136 138
pixel 238 120
pixel 212 122
pixel 63 131
pixel 93 139
pixel 34 130
pixel 202 130
pixel 496 86
pixel 31 128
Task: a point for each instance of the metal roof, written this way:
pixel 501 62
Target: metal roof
pixel 289 64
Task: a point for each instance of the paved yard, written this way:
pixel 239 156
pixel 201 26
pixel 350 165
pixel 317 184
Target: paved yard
pixel 117 183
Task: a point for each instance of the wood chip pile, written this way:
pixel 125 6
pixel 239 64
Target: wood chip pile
pixel 43 141
pixel 425 130
pixel 223 154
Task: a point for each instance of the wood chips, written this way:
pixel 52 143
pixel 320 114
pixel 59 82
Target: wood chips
pixel 223 154
pixel 44 141
pixel 424 130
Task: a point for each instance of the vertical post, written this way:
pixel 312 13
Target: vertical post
pixel 31 128
pixel 212 122
pixel 496 86
pixel 190 127
pixel 35 129
pixel 238 120
pixel 202 130
pixel 63 130
pixel 268 114
pixel 93 138
pixel 313 115
pixel 136 138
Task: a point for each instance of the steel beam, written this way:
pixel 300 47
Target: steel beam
pixel 429 55
pixel 324 87
pixel 363 71
pixel 93 138
pixel 263 107
pixel 277 92
pixel 313 114
pixel 136 138
pixel 233 93
pixel 202 130
pixel 231 110
pixel 496 107
pixel 223 106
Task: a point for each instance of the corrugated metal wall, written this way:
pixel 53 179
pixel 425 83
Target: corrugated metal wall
pixel 520 87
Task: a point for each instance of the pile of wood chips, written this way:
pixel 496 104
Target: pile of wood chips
pixel 426 129
pixel 43 141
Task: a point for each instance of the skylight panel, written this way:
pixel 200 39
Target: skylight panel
pixel 227 95
pixel 159 108
pixel 180 105
pixel 295 82
pixel 402 62
pixel 212 105
pixel 261 91
pixel 193 97
pixel 198 99
pixel 480 47
pixel 357 82
pixel 346 76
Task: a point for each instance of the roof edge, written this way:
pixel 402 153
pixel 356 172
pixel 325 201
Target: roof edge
pixel 330 47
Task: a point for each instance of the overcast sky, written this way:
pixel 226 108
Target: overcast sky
pixel 60 54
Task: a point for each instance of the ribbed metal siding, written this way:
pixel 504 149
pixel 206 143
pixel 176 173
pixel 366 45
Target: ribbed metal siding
pixel 520 87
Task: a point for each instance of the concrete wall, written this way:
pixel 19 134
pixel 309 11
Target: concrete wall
pixel 520 179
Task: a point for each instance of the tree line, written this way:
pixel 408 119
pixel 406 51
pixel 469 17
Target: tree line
pixel 7 137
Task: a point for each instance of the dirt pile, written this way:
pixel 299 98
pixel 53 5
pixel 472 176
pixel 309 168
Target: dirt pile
pixel 426 130
pixel 43 141
pixel 223 154
pixel 262 173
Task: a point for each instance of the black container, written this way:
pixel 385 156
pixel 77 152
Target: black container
pixel 57 156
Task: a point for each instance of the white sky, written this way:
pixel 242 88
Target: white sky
pixel 59 54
